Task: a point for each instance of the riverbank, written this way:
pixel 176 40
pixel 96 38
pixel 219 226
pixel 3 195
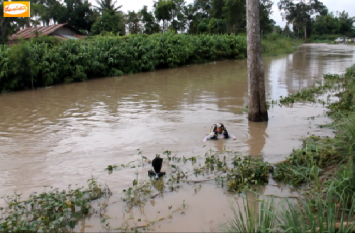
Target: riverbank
pixel 31 65
pixel 324 169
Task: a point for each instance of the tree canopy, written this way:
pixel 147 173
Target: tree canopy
pixel 198 17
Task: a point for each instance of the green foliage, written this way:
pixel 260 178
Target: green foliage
pixel 329 26
pixel 300 13
pixel 77 13
pixel 247 218
pixel 202 27
pixel 330 82
pixel 315 213
pixel 344 182
pixel 299 167
pixel 274 44
pixel 133 20
pixel 108 22
pixel 217 26
pixel 107 5
pixel 99 56
pixel 164 10
pixel 346 102
pixel 51 40
pixel 148 20
pixel 246 172
pixel 52 210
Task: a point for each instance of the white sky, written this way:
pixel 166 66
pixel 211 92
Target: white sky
pixel 332 5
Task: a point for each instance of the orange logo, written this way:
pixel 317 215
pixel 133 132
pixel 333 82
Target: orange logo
pixel 16 9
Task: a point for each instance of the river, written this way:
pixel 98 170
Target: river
pixel 62 135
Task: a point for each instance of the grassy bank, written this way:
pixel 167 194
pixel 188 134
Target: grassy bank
pixel 45 62
pixel 274 45
pixel 324 167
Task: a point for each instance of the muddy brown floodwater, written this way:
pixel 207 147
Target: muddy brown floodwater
pixel 64 134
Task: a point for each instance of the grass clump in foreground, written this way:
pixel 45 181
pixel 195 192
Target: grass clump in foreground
pixel 312 214
pixel 50 211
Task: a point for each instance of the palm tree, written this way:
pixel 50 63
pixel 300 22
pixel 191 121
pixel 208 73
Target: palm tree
pixel 109 5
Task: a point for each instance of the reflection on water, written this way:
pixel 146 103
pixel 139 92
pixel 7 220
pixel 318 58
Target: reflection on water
pixel 257 137
pixel 64 134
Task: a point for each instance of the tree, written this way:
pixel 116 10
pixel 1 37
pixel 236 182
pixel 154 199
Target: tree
pixel 202 27
pixel 179 18
pixel 148 20
pixel 171 10
pixel 204 7
pixel 133 21
pixel 300 13
pixel 79 14
pixel 217 9
pixel 107 5
pixel 52 12
pixel 164 11
pixel 217 26
pixel 234 14
pixel 198 16
pixel 257 110
pixel 108 22
pixel 287 30
pixel 266 24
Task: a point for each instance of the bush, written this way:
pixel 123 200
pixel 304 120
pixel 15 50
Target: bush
pixel 43 62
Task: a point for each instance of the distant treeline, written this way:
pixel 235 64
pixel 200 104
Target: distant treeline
pixel 32 64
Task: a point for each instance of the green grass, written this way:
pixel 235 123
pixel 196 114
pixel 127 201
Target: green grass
pixel 315 213
pixel 248 219
pixel 276 45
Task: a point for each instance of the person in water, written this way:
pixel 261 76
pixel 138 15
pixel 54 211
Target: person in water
pixel 218 130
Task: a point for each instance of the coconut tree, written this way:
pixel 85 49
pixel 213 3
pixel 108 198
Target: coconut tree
pixel 107 5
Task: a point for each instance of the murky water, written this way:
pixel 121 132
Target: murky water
pixel 64 134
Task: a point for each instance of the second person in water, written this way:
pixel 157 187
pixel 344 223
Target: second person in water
pixel 218 131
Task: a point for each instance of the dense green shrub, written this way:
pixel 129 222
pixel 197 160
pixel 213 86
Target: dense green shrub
pixel 37 63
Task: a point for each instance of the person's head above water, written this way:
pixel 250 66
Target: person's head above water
pixel 219 128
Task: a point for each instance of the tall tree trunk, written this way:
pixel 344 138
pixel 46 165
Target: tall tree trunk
pixel 305 32
pixel 257 110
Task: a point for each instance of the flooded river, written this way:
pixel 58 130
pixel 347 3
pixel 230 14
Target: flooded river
pixel 64 134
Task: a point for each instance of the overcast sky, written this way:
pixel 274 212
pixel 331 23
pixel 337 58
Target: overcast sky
pixel 332 5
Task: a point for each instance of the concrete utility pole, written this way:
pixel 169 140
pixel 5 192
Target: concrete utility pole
pixel 257 110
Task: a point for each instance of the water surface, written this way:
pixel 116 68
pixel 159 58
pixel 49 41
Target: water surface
pixel 64 134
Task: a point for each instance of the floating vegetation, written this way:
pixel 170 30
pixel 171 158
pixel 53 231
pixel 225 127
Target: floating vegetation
pixel 330 82
pixel 236 174
pixel 52 210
